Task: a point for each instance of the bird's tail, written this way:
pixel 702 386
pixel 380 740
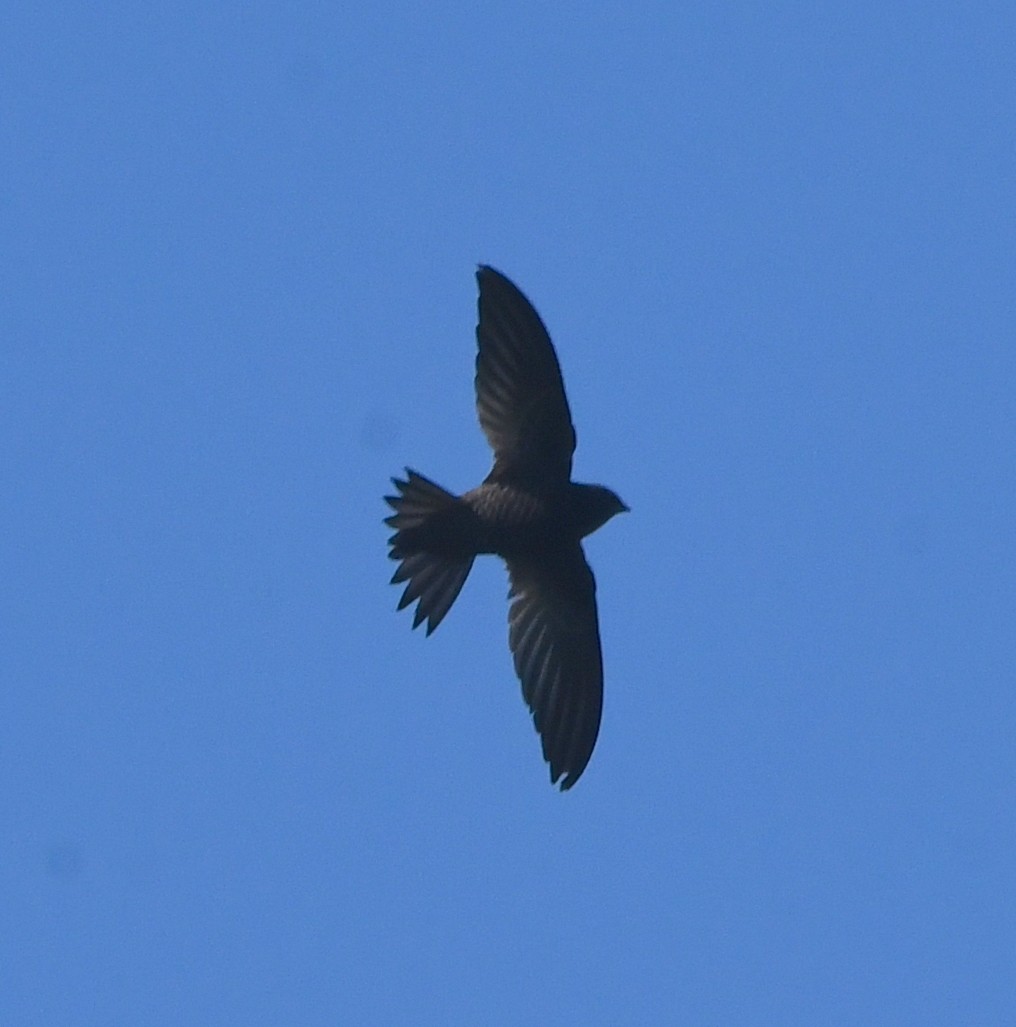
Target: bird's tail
pixel 424 542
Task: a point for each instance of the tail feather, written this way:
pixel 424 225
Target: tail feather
pixel 435 578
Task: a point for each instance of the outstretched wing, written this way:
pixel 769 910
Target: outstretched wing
pixel 519 392
pixel 554 637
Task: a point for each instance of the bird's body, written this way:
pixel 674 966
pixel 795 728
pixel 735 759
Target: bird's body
pixel 529 512
pixel 515 518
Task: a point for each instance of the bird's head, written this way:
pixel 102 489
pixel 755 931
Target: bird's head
pixel 595 506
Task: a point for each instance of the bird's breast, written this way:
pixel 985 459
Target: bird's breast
pixel 512 518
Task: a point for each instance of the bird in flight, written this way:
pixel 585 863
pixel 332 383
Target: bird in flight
pixel 527 511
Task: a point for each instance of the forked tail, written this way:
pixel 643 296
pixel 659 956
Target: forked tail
pixel 424 542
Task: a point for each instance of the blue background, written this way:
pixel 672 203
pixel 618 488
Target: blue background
pixel 775 245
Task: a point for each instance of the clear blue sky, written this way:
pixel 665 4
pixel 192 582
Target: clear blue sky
pixel 776 248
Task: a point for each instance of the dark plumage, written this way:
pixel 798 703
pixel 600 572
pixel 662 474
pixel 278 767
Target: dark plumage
pixel 528 511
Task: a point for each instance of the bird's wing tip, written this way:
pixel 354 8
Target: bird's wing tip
pixel 564 779
pixel 487 271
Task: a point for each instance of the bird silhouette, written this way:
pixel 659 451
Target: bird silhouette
pixel 527 511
